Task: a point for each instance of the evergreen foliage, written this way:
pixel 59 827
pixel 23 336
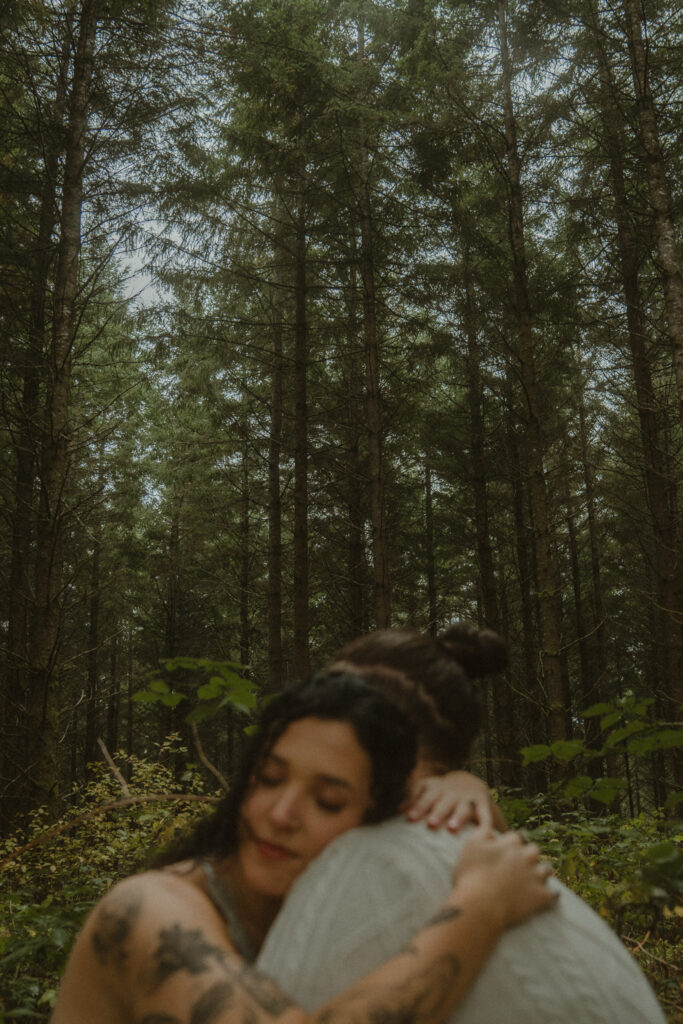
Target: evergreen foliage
pixel 320 314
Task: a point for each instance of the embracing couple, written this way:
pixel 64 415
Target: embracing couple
pixel 248 921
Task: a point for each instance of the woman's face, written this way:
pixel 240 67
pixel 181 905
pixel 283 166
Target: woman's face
pixel 314 785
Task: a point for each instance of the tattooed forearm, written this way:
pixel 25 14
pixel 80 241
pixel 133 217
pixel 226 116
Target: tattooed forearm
pixel 184 949
pixel 113 927
pixel 419 999
pixel 443 915
pixel 213 1003
pixel 264 992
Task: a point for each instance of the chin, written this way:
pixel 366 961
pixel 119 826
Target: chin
pixel 269 883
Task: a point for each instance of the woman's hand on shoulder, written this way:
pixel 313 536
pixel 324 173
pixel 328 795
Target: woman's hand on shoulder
pixel 509 871
pixel 453 800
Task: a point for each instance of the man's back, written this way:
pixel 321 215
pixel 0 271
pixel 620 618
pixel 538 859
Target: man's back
pixel 366 895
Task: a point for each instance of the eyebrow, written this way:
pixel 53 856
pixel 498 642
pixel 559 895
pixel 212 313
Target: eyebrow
pixel 328 780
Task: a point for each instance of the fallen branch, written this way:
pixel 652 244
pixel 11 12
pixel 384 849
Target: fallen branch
pixel 204 759
pixel 116 805
pixel 638 948
pixel 115 771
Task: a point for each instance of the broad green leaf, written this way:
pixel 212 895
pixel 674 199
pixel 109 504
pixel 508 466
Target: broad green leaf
pixel 605 790
pixel 146 697
pixel 539 752
pixel 597 709
pixel 621 734
pixel 610 720
pixel 664 739
pixel 639 707
pixel 209 690
pixel 159 686
pixel 202 712
pixel 566 750
pixel 172 700
pixel 577 786
pixel 664 853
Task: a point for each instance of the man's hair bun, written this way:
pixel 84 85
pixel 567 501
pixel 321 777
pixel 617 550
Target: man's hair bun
pixel 481 652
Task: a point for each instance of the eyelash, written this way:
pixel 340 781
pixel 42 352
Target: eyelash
pixel 329 808
pixel 271 781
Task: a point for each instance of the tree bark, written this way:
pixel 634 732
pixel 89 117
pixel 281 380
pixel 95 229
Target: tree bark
pixel 92 727
pixel 301 584
pixel 546 574
pixel 42 712
pixel 487 579
pixel 245 561
pixel 660 192
pixel 429 542
pixel 380 559
pixel 114 698
pixel 660 484
pixel 275 506
pixel 356 601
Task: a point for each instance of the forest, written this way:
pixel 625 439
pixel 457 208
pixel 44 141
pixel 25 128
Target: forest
pixel 316 317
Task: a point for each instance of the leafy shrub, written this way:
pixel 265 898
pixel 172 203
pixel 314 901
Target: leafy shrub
pixel 48 888
pixel 629 869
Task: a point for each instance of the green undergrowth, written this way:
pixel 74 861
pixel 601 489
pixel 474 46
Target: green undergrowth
pixel 47 890
pixel 628 870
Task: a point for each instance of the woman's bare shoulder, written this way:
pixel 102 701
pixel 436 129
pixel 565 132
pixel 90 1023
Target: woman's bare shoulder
pixel 144 922
pixel 140 906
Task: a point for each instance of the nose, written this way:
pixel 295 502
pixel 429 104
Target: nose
pixel 285 810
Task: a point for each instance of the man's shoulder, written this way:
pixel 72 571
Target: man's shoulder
pixel 397 841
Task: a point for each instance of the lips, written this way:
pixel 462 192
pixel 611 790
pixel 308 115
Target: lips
pixel 271 851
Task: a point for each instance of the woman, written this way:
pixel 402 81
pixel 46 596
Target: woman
pixel 174 945
pixel 373 888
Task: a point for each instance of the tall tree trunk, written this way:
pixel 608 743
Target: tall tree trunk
pixel 14 688
pixel 32 370
pixel 531 714
pixel 585 687
pixel 355 503
pixel 546 573
pixel 380 557
pixel 245 632
pixel 42 772
pixel 429 541
pixel 114 701
pixel 660 192
pixel 598 663
pixel 92 729
pixel 275 506
pixel 660 484
pixel 130 703
pixel 301 583
pixel 502 703
pixel 479 470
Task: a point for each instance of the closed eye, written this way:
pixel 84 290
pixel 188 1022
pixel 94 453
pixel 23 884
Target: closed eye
pixel 330 806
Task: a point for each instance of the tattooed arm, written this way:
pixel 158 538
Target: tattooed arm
pixel 155 951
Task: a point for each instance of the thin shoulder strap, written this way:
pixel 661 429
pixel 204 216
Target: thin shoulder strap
pixel 223 899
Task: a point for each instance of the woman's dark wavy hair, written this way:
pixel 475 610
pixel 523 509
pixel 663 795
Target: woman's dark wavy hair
pixel 443 668
pixel 381 723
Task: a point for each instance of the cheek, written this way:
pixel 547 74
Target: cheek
pixel 328 830
pixel 253 807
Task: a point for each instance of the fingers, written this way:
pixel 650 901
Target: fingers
pixel 436 802
pixel 476 812
pixel 443 810
pixel 419 802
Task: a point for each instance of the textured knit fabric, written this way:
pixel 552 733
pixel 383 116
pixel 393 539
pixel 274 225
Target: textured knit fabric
pixel 360 902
